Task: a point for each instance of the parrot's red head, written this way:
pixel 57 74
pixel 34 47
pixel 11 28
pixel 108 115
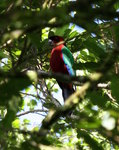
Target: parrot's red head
pixel 56 40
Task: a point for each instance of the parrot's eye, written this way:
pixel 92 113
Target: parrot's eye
pixel 56 39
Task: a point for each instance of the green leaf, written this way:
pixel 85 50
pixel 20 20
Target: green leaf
pixel 66 33
pixel 115 29
pixel 18 53
pixel 115 87
pixel 26 121
pixel 51 33
pixel 10 116
pixel 2 55
pixel 73 34
pixel 49 105
pixel 11 87
pixel 97 98
pixel 35 39
pixel 116 5
pixel 88 65
pixel 94 48
pixel 60 31
pixel 33 102
pixel 88 139
pixel 89 125
pixel 16 123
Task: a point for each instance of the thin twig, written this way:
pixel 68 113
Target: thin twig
pixel 31 111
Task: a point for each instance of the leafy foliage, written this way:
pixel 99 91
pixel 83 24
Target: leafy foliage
pixel 91 31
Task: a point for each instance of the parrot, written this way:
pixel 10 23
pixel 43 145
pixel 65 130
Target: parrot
pixel 61 61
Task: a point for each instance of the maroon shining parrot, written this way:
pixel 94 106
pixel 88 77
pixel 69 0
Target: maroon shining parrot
pixel 61 61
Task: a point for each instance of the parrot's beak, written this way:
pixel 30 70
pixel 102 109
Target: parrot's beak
pixel 50 42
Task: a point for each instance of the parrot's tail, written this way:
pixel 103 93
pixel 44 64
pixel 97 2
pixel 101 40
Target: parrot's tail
pixel 67 89
pixel 66 92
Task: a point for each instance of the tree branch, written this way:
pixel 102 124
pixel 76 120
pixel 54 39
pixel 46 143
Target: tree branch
pixel 31 111
pixel 43 74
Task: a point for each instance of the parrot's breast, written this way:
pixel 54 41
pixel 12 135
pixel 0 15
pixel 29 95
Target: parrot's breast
pixel 56 60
